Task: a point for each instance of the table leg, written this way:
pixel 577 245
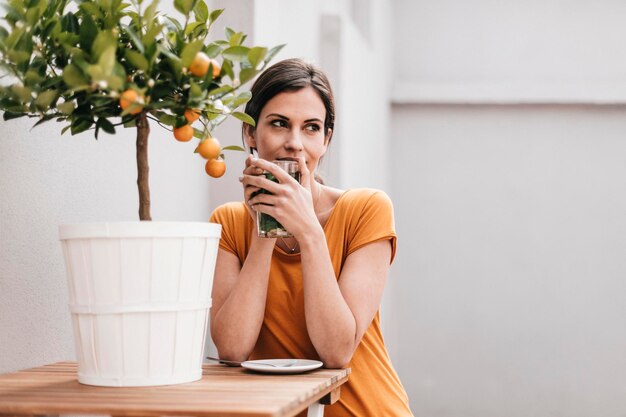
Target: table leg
pixel 316 410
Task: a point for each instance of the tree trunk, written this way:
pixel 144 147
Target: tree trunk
pixel 143 184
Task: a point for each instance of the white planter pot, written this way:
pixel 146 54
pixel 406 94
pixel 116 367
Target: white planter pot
pixel 139 296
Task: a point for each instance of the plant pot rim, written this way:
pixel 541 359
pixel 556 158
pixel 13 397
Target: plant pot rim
pixel 139 229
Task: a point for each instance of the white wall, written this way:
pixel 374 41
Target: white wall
pixel 509 185
pixel 46 179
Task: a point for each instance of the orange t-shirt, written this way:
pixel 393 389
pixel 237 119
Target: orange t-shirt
pixel 360 216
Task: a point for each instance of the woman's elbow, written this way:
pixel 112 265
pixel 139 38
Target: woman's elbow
pixel 336 360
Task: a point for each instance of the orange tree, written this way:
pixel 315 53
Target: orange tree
pixel 102 64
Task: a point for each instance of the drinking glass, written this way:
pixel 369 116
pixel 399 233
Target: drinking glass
pixel 267 226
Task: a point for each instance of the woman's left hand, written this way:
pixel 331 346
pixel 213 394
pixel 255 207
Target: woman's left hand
pixel 290 202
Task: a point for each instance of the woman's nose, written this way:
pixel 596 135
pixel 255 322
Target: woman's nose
pixel 294 142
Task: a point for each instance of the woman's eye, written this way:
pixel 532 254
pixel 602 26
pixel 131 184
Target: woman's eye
pixel 313 128
pixel 279 123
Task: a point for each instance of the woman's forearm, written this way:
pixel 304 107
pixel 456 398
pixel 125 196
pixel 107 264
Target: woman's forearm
pixel 235 327
pixel 330 322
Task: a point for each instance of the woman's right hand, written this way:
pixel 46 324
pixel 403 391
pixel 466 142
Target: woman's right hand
pixel 249 190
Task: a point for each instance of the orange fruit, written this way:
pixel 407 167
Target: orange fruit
pixel 200 65
pixel 183 133
pixel 216 68
pixel 209 148
pixel 131 98
pixel 215 167
pixel 191 115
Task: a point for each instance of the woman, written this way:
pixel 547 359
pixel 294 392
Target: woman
pixel 315 295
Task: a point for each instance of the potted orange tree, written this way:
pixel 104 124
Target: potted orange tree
pixel 139 292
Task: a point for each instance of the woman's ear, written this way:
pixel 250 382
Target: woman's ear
pixel 249 135
pixel 329 135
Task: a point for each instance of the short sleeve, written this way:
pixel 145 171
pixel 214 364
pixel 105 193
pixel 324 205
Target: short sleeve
pixel 233 228
pixel 374 222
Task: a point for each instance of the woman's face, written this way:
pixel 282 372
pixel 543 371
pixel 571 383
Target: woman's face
pixel 291 125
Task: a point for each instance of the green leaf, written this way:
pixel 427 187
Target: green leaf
pixel 107 60
pixel 175 23
pixel 80 125
pixel 45 98
pixel 151 11
pixel 183 6
pixel 151 34
pixel 91 8
pixel 137 60
pixel 247 74
pixel 23 93
pixel 115 82
pixel 14 37
pixel 73 76
pixel 67 107
pixel 96 73
pixel 18 57
pixel 244 117
pixel 32 78
pixel 166 119
pixel 256 54
pixel 201 11
pixel 195 91
pixel 236 39
pixel 233 148
pixel 220 90
pixel 236 53
pixel 227 68
pixel 8 115
pixel 69 23
pixel 105 39
pixel 242 98
pixel 272 52
pixel 215 14
pixel 213 50
pixel 134 38
pixel 189 52
pixel 198 133
pixel 192 26
pixel 88 32
pixel 44 119
pixel 130 122
pixel 105 125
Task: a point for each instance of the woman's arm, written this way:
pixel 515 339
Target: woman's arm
pixel 238 299
pixel 338 312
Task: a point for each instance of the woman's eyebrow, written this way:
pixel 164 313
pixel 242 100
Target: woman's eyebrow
pixel 280 116
pixel 277 115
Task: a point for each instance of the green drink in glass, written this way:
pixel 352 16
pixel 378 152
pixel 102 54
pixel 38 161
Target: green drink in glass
pixel 268 226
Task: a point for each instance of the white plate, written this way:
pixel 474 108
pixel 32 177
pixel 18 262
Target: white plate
pixel 295 366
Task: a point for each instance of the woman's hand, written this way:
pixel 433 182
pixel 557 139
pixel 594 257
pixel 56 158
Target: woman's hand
pixel 290 202
pixel 249 190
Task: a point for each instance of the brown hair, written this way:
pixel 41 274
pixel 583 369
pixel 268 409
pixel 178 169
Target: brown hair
pixel 291 75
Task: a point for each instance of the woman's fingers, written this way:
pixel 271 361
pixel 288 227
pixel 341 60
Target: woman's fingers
pixel 305 175
pixel 281 175
pixel 260 181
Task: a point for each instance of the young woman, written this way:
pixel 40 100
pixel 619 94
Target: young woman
pixel 315 295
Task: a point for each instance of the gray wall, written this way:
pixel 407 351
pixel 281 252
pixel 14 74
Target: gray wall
pixel 508 127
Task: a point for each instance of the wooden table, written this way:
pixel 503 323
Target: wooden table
pixel 222 391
